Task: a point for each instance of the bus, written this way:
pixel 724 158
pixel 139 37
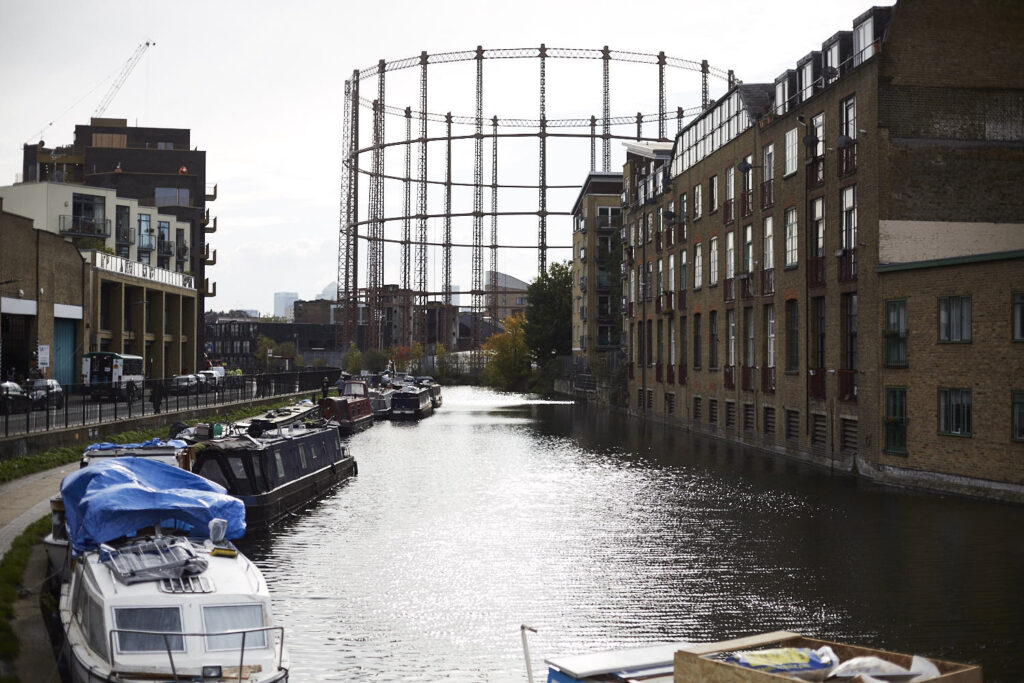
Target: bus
pixel 112 375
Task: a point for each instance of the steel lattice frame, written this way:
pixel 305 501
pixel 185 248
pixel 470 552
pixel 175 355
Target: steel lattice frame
pixel 414 261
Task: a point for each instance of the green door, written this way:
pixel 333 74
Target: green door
pixel 64 351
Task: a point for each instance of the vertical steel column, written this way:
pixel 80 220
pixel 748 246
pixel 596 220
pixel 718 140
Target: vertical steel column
pixel 593 143
pixel 661 96
pixel 407 233
pixel 341 294
pixel 679 119
pixel 606 112
pixel 704 99
pixel 375 274
pixel 478 202
pixel 542 184
pixel 351 286
pixel 421 212
pixel 493 279
pixel 447 244
pixel 639 126
pixel 732 79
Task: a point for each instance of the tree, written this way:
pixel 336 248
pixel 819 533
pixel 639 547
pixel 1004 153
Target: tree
pixel 440 360
pixel 509 361
pixel 400 356
pixel 416 355
pixel 353 359
pixel 549 314
pixel 375 360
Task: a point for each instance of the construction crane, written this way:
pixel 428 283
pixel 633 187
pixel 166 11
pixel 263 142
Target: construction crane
pixel 122 77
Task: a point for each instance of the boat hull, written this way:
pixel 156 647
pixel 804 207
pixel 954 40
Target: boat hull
pixel 262 510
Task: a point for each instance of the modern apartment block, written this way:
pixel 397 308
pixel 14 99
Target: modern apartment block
pixel 831 266
pixel 128 303
pixel 507 297
pixel 596 256
pixel 159 168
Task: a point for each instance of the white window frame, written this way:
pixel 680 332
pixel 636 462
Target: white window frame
pixel 698 204
pixel 848 196
pixel 768 261
pixel 768 161
pixel 713 261
pixel 682 270
pixel 730 255
pixel 698 267
pixel 770 320
pixel 748 249
pixel 792 151
pixel 792 238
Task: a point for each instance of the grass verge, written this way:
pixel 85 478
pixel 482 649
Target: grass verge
pixel 12 570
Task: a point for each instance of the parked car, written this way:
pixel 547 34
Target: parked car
pixel 45 393
pixel 215 377
pixel 13 398
pixel 183 384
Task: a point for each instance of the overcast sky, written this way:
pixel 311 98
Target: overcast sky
pixel 260 85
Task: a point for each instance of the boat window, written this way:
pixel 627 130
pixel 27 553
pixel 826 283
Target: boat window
pixel 280 466
pixel 234 618
pixel 161 619
pixel 238 468
pixel 302 456
pixel 93 625
pixel 211 470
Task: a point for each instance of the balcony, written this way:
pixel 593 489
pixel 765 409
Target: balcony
pixel 768 281
pixel 583 285
pixel 681 375
pixel 815 172
pixel 211 193
pixel 816 384
pixel 681 300
pixel 164 247
pixel 147 242
pixel 729 290
pixel 848 386
pixel 629 310
pixel 629 255
pixel 747 288
pixel 623 271
pixel 768 379
pixel 848 265
pixel 670 374
pixel 606 342
pixel 746 203
pixel 657 304
pixel 658 374
pixel 125 235
pixel 668 301
pixel 681 230
pixel 846 162
pixel 729 211
pixel 608 222
pixel 767 194
pixel 80 226
pixel 207 258
pixel 657 242
pixel 583 313
pixel 816 271
pixel 729 375
pixel 182 252
pixel 670 238
pixel 603 282
pixel 747 377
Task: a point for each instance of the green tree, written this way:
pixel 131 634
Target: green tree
pixel 416 355
pixel 440 360
pixel 549 314
pixel 353 359
pixel 509 361
pixel 375 360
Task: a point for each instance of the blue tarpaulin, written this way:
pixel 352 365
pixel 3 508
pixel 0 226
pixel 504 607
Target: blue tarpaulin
pixel 152 443
pixel 117 497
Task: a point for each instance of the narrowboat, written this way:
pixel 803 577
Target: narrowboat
pixel 433 387
pixel 175 602
pixel 274 470
pixel 280 417
pixel 352 411
pixel 411 402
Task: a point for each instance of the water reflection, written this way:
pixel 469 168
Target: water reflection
pixel 603 532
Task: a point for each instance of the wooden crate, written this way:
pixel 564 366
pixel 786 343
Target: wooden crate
pixel 692 667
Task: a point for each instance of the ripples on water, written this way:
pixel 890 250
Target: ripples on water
pixel 501 510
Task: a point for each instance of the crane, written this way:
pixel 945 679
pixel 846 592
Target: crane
pixel 122 77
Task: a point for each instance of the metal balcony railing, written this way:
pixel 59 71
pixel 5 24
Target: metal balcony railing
pixel 729 376
pixel 629 310
pixel 747 288
pixel 768 379
pixel 668 303
pixel 631 374
pixel 816 383
pixel 164 247
pixel 681 375
pixel 80 226
pixel 670 374
pixel 729 290
pixel 848 386
pixel 846 161
pixel 681 300
pixel 816 271
pixel 608 222
pixel 182 252
pixel 746 203
pixel 125 235
pixel 815 172
pixel 657 242
pixel 768 281
pixel 747 377
pixel 681 230
pixel 147 242
pixel 848 265
pixel 767 193
pixel 658 372
pixel 657 304
pixel 728 211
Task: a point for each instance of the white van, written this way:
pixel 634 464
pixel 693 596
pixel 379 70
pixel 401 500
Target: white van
pixel 215 377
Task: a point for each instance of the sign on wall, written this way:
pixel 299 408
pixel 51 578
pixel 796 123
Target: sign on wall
pixel 44 356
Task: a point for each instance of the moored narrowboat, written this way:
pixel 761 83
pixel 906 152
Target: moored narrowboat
pixel 411 402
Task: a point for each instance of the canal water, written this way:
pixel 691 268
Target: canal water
pixel 599 532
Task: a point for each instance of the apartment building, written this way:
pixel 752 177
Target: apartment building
pixel 596 256
pixel 801 229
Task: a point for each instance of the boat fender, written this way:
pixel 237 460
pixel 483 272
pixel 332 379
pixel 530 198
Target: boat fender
pixel 355 468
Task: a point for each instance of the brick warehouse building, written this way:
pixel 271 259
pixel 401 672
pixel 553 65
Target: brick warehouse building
pixel 831 266
pixel 159 168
